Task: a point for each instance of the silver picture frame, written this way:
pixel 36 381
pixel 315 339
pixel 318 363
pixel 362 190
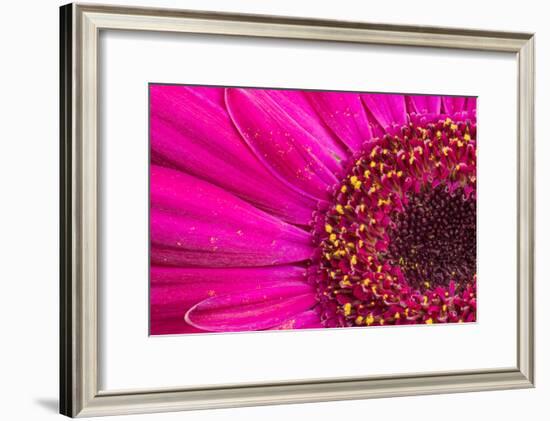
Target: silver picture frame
pixel 80 26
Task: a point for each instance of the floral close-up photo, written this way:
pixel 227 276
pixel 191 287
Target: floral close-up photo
pixel 288 209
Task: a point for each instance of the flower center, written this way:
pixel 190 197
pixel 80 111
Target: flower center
pixel 434 239
pixel 398 243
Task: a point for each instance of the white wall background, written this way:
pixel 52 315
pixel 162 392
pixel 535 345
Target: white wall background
pixel 29 208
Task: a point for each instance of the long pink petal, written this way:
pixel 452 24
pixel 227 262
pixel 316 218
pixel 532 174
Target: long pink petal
pixel 252 310
pixel 174 290
pixel 180 287
pixel 344 114
pixel 191 131
pixel 297 107
pixel 197 221
pixel 178 277
pixel 285 147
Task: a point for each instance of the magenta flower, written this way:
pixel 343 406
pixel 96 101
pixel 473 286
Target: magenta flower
pixel 281 209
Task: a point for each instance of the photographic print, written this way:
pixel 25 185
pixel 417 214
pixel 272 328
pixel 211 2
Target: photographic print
pixel 299 209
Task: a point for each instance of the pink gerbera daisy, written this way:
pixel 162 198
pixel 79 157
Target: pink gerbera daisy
pixel 286 209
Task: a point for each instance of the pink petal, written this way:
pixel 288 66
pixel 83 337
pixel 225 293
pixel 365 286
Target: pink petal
pixel 252 310
pixel 191 131
pixel 344 114
pixel 455 104
pixel 197 224
pixel 307 320
pixel 212 93
pixel 284 147
pixel 174 290
pixel 172 326
pixel 183 287
pixel 180 277
pixel 424 104
pixel 297 107
pixel 471 103
pixel 387 110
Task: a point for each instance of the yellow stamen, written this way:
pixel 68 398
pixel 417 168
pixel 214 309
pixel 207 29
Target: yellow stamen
pixel 429 321
pixel 347 309
pixel 370 319
pixel 384 201
pixel 345 283
pixel 424 134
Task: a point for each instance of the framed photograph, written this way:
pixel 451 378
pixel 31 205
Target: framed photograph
pixel 263 210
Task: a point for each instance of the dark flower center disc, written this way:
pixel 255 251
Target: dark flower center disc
pixel 434 239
